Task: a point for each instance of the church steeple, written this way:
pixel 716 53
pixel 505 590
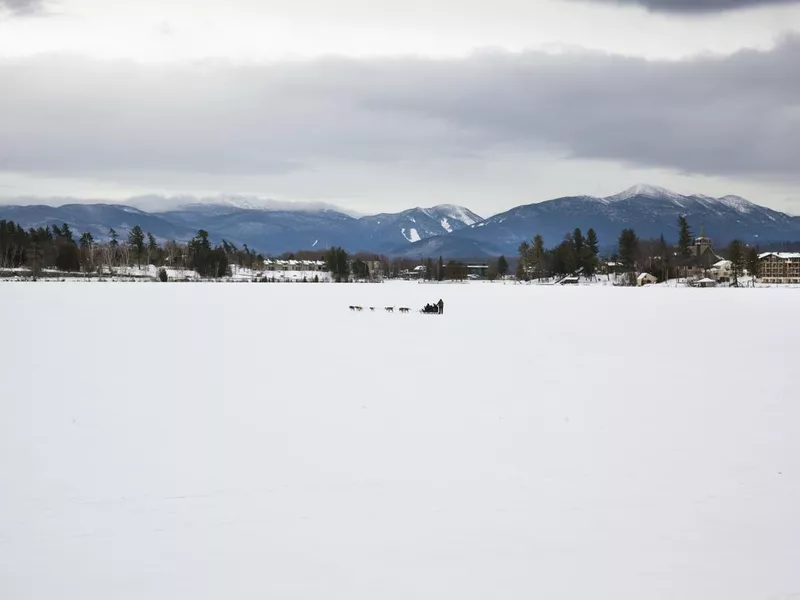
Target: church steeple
pixel 701 242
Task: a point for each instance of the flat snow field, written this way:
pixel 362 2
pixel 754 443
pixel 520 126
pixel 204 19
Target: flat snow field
pixel 260 441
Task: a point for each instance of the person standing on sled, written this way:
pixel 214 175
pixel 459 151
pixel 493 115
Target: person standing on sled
pixel 440 304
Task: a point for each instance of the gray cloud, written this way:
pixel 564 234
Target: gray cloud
pixel 727 116
pixel 21 7
pixel 698 6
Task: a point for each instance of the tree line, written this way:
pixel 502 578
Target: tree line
pixel 575 254
pixel 58 247
pixel 665 261
pixel 579 255
pixel 344 266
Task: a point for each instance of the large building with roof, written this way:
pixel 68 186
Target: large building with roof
pixel 779 267
pixel 294 265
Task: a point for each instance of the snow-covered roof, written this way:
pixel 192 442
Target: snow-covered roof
pixel 270 261
pixel 645 276
pixel 723 264
pixel 706 280
pixel 477 266
pixel 781 255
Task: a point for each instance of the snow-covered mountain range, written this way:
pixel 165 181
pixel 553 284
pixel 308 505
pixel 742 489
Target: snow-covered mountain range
pixel 448 229
pixel 651 211
pixel 272 227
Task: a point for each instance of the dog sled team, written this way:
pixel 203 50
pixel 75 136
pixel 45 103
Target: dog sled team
pixel 402 309
pixel 429 309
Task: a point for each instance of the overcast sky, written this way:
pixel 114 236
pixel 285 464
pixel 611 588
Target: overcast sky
pixel 380 105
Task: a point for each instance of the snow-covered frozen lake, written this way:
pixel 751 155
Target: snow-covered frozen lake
pixel 208 441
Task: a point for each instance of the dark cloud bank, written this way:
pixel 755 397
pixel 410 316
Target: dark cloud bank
pixel 736 115
pixel 698 6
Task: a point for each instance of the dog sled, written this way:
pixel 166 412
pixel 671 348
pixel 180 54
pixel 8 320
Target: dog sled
pixel 428 309
pixel 432 309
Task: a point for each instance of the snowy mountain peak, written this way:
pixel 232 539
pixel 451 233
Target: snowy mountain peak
pixel 737 203
pixel 419 223
pixel 643 189
pixel 457 213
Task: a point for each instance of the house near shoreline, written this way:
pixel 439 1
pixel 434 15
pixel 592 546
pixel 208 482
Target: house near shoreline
pixel 721 271
pixel 646 279
pixel 294 265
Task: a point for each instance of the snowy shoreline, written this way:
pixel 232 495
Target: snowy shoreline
pixel 325 278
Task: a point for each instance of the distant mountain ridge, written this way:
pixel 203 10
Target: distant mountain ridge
pixel 448 229
pixel 651 211
pixel 95 218
pixel 270 228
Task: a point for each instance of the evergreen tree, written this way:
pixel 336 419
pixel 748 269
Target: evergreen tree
pixel 14 243
pixel 524 254
pixel 562 260
pixel 360 269
pixel 68 257
pixel 539 256
pixel 136 241
pixel 429 269
pixel 40 239
pixel 87 251
pixel 440 270
pixel 593 243
pixel 65 233
pixel 584 257
pixel 152 248
pixel 590 254
pixel 752 262
pixel 112 251
pixel 200 254
pixel 578 243
pixel 502 266
pixel 684 237
pixel 736 256
pixel 628 246
pixel 567 257
pixel 207 261
pixel 338 263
